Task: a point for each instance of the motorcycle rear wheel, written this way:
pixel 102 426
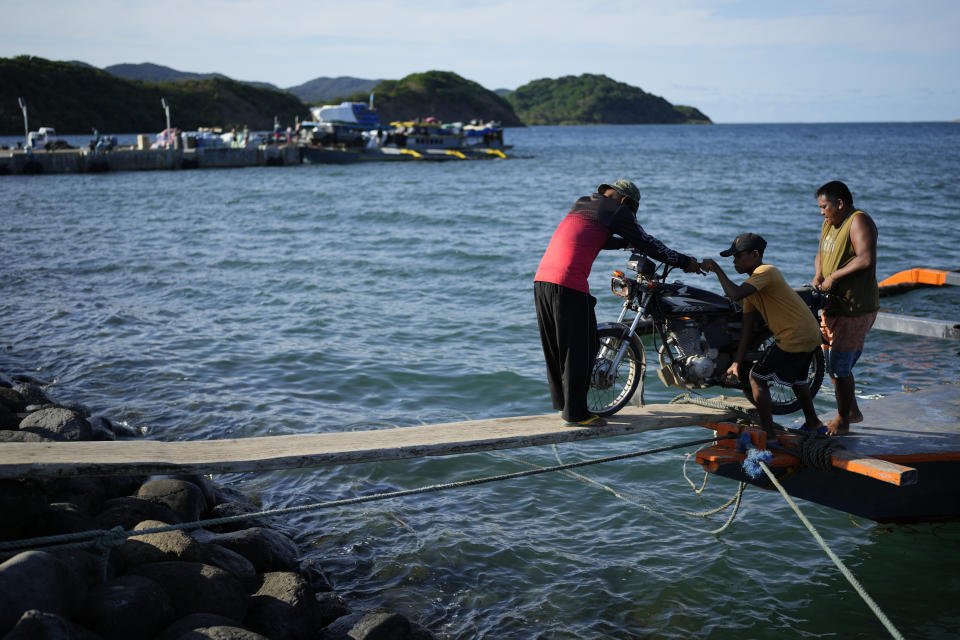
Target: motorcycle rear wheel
pixel 782 398
pixel 610 390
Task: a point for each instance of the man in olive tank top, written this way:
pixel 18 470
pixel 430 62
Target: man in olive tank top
pixel 846 267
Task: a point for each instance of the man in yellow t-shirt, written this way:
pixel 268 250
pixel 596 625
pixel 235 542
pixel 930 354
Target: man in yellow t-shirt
pixel 795 330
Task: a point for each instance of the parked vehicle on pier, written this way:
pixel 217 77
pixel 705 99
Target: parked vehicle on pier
pixel 45 138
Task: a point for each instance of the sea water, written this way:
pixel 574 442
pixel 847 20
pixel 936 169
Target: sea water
pixel 281 300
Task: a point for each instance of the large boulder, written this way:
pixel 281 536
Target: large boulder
pixel 194 587
pixel 282 607
pixel 128 511
pixel 228 502
pixel 121 486
pixel 87 492
pixel 128 608
pixel 86 563
pixel 230 561
pixel 205 484
pixel 37 580
pixel 329 607
pixel 230 510
pixel 37 625
pixel 62 517
pixel 191 622
pixel 375 625
pixel 158 547
pixel 101 429
pixel 12 400
pixel 8 419
pixel 184 498
pixel 222 633
pixel 7 435
pixel 267 549
pixel 66 423
pixel 31 394
pixel 312 570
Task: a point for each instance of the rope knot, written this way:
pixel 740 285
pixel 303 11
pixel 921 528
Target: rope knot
pixel 751 464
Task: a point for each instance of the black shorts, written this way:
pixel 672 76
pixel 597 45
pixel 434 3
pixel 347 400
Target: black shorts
pixel 783 367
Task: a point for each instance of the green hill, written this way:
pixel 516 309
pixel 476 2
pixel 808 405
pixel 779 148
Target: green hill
pixel 149 72
pixel 76 98
pixel 325 90
pixel 595 99
pixel 441 94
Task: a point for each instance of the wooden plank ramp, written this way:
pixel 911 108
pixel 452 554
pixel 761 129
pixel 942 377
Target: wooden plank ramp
pixel 144 457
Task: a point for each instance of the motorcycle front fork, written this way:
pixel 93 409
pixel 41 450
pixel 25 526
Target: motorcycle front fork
pixel 625 343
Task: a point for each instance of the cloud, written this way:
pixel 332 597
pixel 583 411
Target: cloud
pixel 681 50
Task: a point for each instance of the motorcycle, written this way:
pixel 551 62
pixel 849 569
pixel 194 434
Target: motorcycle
pixel 695 333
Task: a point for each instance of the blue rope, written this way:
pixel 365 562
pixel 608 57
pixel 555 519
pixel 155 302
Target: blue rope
pixel 751 464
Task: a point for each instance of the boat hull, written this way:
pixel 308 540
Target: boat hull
pixel 935 497
pixel 914 434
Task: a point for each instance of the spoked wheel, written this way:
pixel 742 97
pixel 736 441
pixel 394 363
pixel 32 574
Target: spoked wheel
pixel 782 398
pixel 612 387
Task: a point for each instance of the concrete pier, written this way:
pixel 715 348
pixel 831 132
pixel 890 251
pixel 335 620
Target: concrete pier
pixel 17 161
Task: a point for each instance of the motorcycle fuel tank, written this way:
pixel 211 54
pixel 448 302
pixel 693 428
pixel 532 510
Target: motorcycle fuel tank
pixel 685 299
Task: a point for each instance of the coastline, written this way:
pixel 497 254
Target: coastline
pixel 240 580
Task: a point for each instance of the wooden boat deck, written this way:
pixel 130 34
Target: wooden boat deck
pixel 136 457
pixel 913 425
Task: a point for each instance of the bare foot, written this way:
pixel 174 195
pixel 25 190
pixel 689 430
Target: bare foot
pixel 855 416
pixel 838 426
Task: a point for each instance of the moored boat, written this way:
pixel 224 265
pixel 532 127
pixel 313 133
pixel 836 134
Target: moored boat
pixel 907 449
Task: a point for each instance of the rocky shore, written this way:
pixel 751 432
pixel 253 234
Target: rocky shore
pixel 240 581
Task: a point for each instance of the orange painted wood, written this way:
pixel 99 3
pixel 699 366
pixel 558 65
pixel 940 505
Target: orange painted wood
pixel 917 276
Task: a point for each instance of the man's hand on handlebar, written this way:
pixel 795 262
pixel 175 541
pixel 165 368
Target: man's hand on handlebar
pixel 693 267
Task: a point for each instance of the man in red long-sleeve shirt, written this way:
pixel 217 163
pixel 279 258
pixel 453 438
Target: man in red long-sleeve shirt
pixel 565 308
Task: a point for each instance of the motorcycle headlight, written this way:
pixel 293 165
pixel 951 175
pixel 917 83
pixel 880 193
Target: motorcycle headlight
pixel 620 285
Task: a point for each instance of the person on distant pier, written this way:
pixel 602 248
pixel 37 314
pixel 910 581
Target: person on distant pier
pixel 565 308
pixel 846 268
pixel 795 329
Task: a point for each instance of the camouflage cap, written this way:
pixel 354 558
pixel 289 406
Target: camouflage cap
pixel 624 187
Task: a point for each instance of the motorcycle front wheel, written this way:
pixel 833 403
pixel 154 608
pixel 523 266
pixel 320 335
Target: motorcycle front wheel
pixel 611 389
pixel 782 398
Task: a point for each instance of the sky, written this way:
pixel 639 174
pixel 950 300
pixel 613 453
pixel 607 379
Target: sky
pixel 737 61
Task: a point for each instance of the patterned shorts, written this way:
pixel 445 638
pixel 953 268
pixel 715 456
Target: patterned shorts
pixel 844 337
pixel 846 333
pixel 783 367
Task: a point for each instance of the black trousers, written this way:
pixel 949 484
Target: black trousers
pixel 568 333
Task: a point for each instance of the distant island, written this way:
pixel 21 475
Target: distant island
pixel 76 97
pixel 443 95
pixel 596 99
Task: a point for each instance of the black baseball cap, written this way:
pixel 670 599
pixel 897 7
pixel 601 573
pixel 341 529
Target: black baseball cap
pixel 745 242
